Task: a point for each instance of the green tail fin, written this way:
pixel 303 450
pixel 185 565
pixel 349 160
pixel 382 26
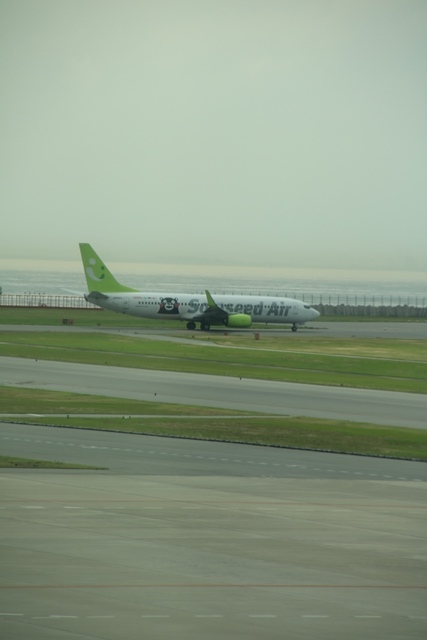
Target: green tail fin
pixel 98 276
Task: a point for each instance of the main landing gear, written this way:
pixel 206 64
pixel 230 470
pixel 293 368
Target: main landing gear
pixel 204 326
pixel 294 327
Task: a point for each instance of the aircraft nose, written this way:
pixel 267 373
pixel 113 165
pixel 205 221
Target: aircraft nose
pixel 316 314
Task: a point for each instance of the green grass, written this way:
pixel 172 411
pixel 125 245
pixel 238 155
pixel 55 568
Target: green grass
pixel 9 462
pixel 377 364
pixel 15 400
pixel 85 317
pixel 393 365
pixel 383 348
pixel 210 424
pixel 81 317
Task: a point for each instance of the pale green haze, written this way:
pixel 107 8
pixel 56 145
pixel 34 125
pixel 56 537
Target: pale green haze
pixel 282 134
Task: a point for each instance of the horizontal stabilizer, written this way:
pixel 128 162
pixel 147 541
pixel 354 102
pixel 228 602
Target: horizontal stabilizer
pixel 96 295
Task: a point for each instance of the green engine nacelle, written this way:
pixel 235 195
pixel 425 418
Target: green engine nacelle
pixel 238 321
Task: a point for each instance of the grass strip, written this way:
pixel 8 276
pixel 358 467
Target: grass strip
pixel 10 462
pixel 100 317
pixel 133 416
pixel 373 348
pixel 386 373
pixel 94 317
pixel 34 401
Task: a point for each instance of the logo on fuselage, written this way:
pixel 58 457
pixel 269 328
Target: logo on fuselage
pixel 260 308
pixel 169 306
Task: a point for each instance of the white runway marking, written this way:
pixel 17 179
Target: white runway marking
pixel 31 507
pixel 160 616
pixel 217 459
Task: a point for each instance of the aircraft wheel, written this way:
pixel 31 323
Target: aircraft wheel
pixel 191 325
pixel 294 327
pixel 205 326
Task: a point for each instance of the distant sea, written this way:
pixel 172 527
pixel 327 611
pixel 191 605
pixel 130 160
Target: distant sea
pixel 362 289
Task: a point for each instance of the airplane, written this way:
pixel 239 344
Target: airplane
pixel 229 310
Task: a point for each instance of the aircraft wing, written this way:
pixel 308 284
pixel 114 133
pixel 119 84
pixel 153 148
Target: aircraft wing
pixel 215 315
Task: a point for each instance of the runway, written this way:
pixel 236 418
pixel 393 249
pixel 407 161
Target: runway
pixel 133 454
pixel 188 540
pixel 415 330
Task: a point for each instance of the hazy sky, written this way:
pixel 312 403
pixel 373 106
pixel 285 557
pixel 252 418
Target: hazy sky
pixel 261 132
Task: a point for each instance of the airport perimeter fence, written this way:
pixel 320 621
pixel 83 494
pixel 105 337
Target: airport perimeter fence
pixel 332 305
pixel 381 311
pixel 42 301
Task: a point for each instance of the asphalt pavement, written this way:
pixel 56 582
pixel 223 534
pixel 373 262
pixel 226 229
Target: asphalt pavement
pixel 187 539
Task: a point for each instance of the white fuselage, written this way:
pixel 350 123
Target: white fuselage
pixel 185 306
